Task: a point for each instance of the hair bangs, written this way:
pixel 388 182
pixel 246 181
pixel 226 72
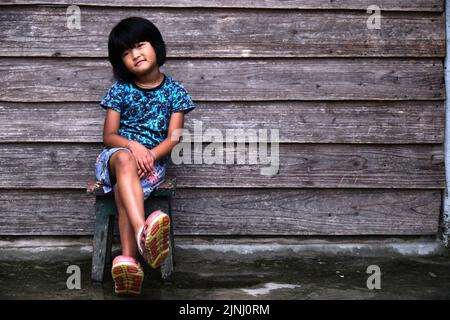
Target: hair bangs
pixel 126 38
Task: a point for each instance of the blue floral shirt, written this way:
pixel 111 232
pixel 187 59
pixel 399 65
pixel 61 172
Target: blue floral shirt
pixel 145 113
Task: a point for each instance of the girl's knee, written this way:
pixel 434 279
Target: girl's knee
pixel 122 160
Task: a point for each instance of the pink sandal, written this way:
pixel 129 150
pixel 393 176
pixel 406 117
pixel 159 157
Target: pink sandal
pixel 153 239
pixel 128 276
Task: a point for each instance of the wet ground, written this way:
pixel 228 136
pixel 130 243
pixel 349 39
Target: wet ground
pixel 209 275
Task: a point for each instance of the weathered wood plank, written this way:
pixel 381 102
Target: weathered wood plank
pixel 240 212
pixel 300 166
pixel 298 122
pixel 43 31
pixel 407 5
pixel 333 212
pixel 41 79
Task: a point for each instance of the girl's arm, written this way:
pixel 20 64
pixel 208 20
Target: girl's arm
pixel 166 146
pixel 111 137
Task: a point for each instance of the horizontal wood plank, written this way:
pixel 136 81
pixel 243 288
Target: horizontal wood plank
pixel 407 5
pixel 240 212
pixel 297 165
pixel 82 80
pixel 43 31
pixel 297 122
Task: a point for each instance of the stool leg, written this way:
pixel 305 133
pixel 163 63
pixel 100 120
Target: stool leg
pixel 172 240
pixel 167 265
pixel 100 243
pixel 109 240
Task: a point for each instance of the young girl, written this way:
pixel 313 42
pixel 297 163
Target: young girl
pixel 144 107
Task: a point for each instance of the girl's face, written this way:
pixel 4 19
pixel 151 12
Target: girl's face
pixel 140 59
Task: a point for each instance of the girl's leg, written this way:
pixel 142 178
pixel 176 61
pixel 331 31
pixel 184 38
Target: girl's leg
pixel 127 236
pixel 130 198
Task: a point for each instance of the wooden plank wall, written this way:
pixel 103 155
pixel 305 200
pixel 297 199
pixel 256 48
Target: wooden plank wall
pixel 360 113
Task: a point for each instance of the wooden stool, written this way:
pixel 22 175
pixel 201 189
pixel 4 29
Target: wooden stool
pixel 105 215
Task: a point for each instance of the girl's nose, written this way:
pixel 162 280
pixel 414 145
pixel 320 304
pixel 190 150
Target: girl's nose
pixel 135 53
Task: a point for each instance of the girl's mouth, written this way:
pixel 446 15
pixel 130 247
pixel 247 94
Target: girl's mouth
pixel 138 63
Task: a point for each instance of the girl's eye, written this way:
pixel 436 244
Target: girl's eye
pixel 141 44
pixel 124 54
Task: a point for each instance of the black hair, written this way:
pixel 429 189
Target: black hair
pixel 125 35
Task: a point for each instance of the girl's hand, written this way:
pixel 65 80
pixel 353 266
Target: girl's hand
pixel 144 159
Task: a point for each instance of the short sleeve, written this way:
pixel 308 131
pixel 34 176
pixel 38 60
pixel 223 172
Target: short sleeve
pixel 113 98
pixel 181 100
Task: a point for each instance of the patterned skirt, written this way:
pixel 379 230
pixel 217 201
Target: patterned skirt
pixel 103 175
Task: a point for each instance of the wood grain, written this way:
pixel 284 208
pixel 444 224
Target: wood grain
pixel 360 114
pixel 71 166
pixel 297 121
pixel 239 212
pixel 43 32
pixel 407 5
pixel 83 80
